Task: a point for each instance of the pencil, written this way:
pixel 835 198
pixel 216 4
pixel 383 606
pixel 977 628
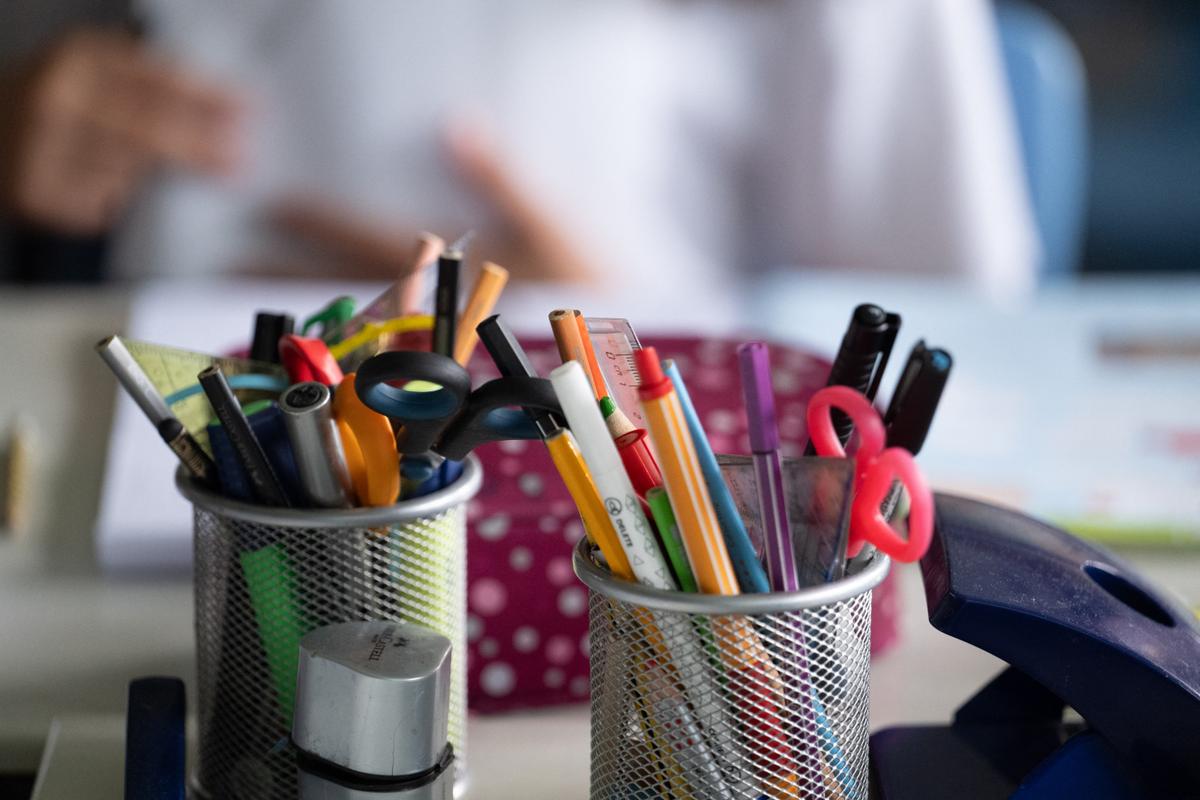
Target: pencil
pixel 485 293
pixel 570 346
pixel 411 286
pixel 589 353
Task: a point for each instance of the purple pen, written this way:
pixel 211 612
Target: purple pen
pixel 764 444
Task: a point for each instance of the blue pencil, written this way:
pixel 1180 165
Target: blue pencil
pixel 750 573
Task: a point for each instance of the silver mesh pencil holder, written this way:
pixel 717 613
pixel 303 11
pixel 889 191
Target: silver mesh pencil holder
pixel 729 698
pixel 264 577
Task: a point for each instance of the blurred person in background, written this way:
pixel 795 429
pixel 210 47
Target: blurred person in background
pixel 655 141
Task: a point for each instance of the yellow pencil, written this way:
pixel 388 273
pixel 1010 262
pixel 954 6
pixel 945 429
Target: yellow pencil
pixel 485 293
pixel 574 472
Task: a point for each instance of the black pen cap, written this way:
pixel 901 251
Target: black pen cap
pixel 512 361
pixel 269 327
pixel 910 414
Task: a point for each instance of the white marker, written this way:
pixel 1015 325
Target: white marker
pixel 583 415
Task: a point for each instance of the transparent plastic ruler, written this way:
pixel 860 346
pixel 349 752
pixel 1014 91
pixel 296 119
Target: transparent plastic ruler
pixel 173 372
pixel 614 341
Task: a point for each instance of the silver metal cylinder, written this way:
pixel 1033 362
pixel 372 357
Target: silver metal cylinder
pixel 308 414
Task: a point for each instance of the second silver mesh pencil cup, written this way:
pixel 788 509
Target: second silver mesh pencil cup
pixel 729 698
pixel 264 577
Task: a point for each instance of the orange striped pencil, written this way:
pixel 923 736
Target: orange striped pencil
pixel 698 525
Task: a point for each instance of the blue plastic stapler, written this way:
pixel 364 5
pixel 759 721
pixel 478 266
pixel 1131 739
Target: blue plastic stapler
pixel 1080 630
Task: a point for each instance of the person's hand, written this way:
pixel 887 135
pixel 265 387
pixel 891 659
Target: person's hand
pixel 86 121
pixel 526 238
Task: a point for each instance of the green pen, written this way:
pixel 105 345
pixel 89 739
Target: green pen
pixel 664 519
pixel 332 319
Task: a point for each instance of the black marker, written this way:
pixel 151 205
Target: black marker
pixel 445 314
pixel 915 400
pixel 861 360
pixel 512 361
pixel 268 328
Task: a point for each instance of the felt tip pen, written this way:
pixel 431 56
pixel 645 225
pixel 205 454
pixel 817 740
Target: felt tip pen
pixel 620 500
pixel 752 578
pixel 668 531
pixel 445 315
pixel 308 414
pixel 685 484
pixel 264 482
pixel 754 362
pixel 861 359
pixel 915 401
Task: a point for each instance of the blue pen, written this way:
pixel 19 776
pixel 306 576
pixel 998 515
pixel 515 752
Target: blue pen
pixel 750 573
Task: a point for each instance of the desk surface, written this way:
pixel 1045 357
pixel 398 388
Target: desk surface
pixel 73 638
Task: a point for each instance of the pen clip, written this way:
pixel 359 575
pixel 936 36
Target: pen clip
pixel 891 328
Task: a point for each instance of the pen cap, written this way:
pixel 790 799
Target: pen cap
pixel 754 361
pixel 268 328
pixel 373 697
pixel 639 462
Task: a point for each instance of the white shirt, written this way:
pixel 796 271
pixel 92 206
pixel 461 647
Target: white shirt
pixel 679 140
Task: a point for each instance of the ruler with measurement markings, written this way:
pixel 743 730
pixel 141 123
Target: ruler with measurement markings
pixel 614 341
pixel 173 371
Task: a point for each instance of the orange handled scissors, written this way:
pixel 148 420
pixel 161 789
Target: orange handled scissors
pixel 875 471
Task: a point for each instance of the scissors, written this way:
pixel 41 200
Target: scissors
pixel 430 396
pixel 875 470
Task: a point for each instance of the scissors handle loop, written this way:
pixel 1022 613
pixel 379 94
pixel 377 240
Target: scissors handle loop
pixel 424 414
pixel 876 469
pixel 496 412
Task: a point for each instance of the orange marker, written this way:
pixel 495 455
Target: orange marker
pixel 378 483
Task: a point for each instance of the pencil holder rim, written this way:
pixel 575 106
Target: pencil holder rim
pixel 462 490
pixel 601 580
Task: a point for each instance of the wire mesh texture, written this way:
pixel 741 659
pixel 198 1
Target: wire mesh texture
pixel 769 700
pixel 264 578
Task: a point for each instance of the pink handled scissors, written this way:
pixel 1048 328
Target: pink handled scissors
pixel 875 470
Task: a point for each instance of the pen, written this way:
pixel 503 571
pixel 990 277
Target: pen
pixel 264 482
pixel 861 360
pixel 668 531
pixel 910 413
pixel 764 444
pixel 485 293
pixel 308 414
pixel 268 327
pixel 750 574
pixel 698 524
pixel 446 302
pixel 135 381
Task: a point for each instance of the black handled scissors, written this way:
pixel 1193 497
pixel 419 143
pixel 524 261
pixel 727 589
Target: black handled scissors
pixel 430 396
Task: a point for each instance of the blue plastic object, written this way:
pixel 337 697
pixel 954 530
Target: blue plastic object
pixel 1049 92
pixel 1079 628
pixel 155 740
pixel 271 432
